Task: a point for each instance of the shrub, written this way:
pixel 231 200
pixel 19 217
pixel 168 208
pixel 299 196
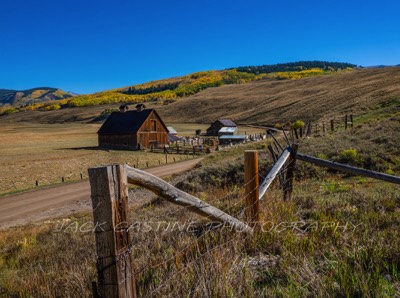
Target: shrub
pixel 52 107
pixel 349 154
pixel 9 111
pixel 298 124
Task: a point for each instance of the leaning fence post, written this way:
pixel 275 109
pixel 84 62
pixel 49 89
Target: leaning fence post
pixel 275 158
pixel 109 189
pixel 288 188
pixel 251 189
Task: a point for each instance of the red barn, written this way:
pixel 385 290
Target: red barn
pixel 133 130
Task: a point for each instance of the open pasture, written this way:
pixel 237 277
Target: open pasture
pixel 48 152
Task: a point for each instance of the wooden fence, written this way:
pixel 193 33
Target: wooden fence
pixel 183 150
pixel 323 127
pixel 109 189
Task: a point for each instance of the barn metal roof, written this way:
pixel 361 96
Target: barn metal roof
pixel 227 122
pixel 124 123
pixel 171 130
pixel 227 129
pixel 236 137
pixel 172 138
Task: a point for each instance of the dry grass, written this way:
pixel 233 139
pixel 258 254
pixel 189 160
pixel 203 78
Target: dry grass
pixel 47 152
pixel 330 242
pixel 44 152
pixel 264 102
pixel 268 102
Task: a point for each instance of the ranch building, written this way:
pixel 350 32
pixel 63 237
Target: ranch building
pixel 133 130
pixel 217 125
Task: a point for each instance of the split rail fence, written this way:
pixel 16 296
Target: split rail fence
pixel 109 191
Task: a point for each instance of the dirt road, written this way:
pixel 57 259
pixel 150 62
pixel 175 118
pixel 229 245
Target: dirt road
pixel 57 201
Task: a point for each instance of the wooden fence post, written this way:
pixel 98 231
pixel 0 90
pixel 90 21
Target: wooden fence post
pixel 351 120
pixel 275 158
pixel 332 126
pixel 109 189
pixel 251 189
pixel 345 122
pixel 308 134
pixel 296 134
pixel 288 188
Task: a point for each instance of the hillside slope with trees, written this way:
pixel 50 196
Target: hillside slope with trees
pixel 20 98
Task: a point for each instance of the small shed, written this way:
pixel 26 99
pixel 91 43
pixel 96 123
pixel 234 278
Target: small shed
pixel 133 130
pixel 227 131
pixel 217 125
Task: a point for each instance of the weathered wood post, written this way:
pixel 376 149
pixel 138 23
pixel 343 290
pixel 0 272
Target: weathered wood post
pixel 296 134
pixel 109 189
pixel 345 122
pixel 81 176
pixel 309 129
pixel 37 183
pixel 323 128
pixel 351 121
pixel 251 189
pixel 288 187
pixel 332 126
pixel 275 158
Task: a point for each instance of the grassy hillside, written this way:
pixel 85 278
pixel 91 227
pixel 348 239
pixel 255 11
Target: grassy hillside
pixel 31 96
pixel 269 101
pixel 266 101
pixel 169 90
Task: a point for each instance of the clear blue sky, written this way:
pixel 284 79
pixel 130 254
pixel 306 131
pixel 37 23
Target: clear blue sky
pixel 86 46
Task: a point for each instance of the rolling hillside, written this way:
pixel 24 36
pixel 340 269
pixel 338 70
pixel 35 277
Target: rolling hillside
pixel 268 101
pixel 31 96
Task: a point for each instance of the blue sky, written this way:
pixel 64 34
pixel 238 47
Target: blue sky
pixel 87 46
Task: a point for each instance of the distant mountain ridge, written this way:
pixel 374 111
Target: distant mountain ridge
pixel 30 96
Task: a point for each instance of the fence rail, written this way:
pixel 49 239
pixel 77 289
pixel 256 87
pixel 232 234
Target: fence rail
pixel 109 186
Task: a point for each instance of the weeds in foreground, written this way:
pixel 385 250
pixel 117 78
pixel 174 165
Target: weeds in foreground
pixel 339 236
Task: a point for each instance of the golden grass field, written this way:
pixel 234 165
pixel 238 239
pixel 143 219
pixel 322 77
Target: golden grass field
pixel 47 152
